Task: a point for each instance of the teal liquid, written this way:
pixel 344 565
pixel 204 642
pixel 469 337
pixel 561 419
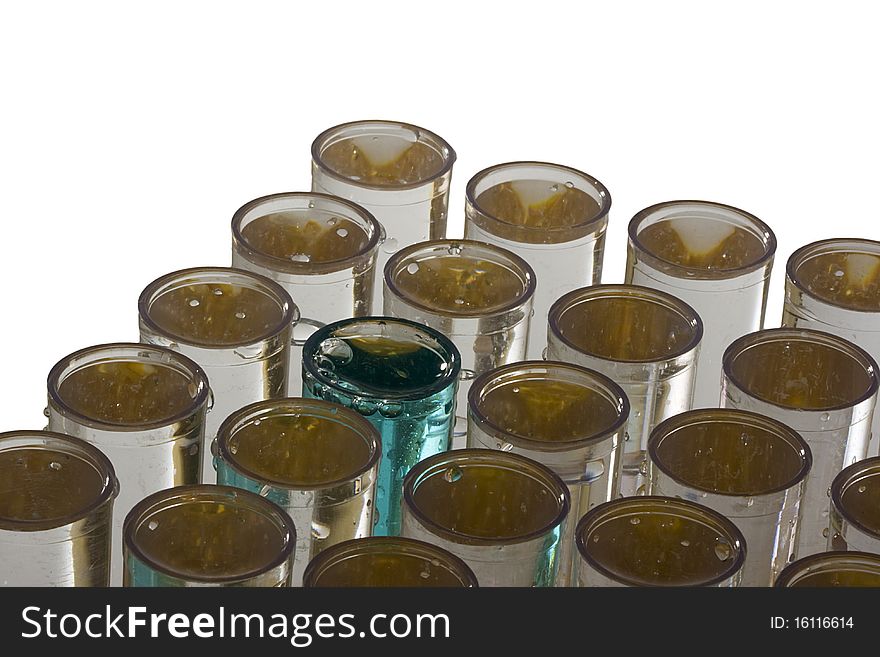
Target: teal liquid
pixel 404 388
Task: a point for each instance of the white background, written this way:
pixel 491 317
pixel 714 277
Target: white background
pixel 130 132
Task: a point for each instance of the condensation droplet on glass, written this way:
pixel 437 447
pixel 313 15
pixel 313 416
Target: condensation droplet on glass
pixel 218 292
pixel 152 525
pixel 722 551
pixel 342 232
pixel 685 542
pixel 634 520
pixel 240 315
pixel 320 531
pixel 412 268
pixel 454 250
pixel 825 532
pixel 311 205
pixel 55 465
pixel 452 474
pixel 390 245
pixel 193 302
pixel 569 184
pixel 862 488
pixel 554 188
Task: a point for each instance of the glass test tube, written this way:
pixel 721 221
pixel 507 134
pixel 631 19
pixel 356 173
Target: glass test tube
pixel 207 535
pixel 855 508
pixel 503 514
pixel 658 541
pixel 566 417
pixel 235 324
pixel 56 510
pixel 403 378
pixel 715 257
pixel 399 172
pixel 385 561
pixel 831 569
pixel 747 467
pixel 834 286
pixel 477 294
pixel 316 460
pixel 141 405
pixel 319 248
pixel 646 341
pixel 552 216
pixel 821 386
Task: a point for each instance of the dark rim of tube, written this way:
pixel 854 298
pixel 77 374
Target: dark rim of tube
pixel 352 212
pixel 433 465
pixel 692 509
pixel 824 562
pixel 354 548
pixel 588 378
pixel 856 353
pixel 169 358
pixel 604 201
pixel 450 376
pixel 217 275
pixel 68 445
pixel 305 408
pixel 700 273
pixel 824 247
pixel 746 419
pixel 435 141
pixel 225 494
pixel 649 295
pixel 483 251
pixel 850 476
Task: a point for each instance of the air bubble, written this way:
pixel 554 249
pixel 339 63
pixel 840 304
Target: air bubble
pixel 55 465
pixel 634 521
pixel 240 315
pixel 459 302
pixel 452 474
pixel 862 488
pixel 152 525
pixel 685 543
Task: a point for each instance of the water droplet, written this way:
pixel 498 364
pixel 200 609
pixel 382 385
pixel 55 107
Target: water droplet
pixel 838 273
pixel 825 532
pixel 55 465
pixel 240 315
pixel 311 205
pixel 364 406
pixel 722 550
pixel 218 292
pixel 46 411
pixel 390 409
pixel 338 350
pixel 454 250
pixel 425 574
pixel 825 417
pixel 193 449
pixel 233 448
pixel 300 257
pixel 257 422
pixel 320 531
pixel 452 474
pixel 634 520
pixel 569 184
pixel 193 302
pixel 412 268
pixel 342 232
pixel 152 525
pixel 554 188
pixel 862 488
pixel 459 302
pixel 390 245
pixel 750 501
pixel 435 562
pixel 685 543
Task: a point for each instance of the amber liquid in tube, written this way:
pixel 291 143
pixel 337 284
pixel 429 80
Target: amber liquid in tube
pixel 293 235
pixel 216 314
pixel 692 242
pixel 851 280
pixel 127 393
pixel 538 204
pixel 386 161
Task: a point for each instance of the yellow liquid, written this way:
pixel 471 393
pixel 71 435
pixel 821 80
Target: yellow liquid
pixel 294 236
pixel 209 539
pixel 382 161
pixel 127 392
pixel 845 578
pixel 538 204
pixel 660 549
pixel 454 284
pixel 702 244
pixel 861 499
pixel 851 280
pixel 45 484
pixel 796 374
pixel 626 329
pixel 731 458
pixel 487 502
pixel 549 411
pixel 387 570
pixel 216 315
pixel 298 450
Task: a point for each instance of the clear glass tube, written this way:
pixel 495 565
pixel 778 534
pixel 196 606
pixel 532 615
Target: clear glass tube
pixel 235 324
pixel 552 216
pixel 747 467
pixel 503 514
pixel 715 257
pixel 316 460
pixel 855 508
pixel 141 405
pixel 821 386
pixel 830 569
pixel 319 248
pixel 646 341
pixel 566 417
pixel 207 535
pixel 658 541
pixel 477 294
pixel 384 561
pixel 401 376
pixel 399 172
pixel 56 510
pixel 834 286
